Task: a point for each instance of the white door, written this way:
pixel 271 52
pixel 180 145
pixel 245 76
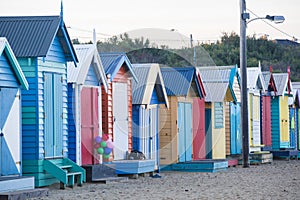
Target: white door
pixel 120 117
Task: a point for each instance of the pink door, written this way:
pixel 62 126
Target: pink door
pixel 89 124
pixel 266 121
pixel 198 129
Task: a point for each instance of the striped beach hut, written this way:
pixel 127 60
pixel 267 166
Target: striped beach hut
pixel 219 90
pixel 176 133
pixel 148 94
pixel 266 96
pixel 280 111
pixel 43 48
pixel 117 102
pixel 84 104
pixel 12 80
pixel 296 93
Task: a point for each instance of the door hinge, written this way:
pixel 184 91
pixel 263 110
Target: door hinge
pixel 62 115
pixel 18 96
pixel 62 79
pixel 45 115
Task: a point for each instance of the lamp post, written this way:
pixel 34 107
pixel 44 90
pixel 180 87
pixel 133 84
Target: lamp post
pixel 244 16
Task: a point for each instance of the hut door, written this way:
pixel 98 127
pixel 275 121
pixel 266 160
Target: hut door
pixel 208 133
pixel 153 134
pixel 235 129
pixel 89 124
pixel 292 128
pixel 256 120
pixel 198 129
pixel 9 132
pixel 120 117
pixel 184 132
pixel 53 114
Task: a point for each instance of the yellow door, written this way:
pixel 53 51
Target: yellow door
pixel 284 116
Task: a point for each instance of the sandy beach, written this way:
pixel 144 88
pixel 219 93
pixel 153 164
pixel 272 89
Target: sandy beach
pixel 279 180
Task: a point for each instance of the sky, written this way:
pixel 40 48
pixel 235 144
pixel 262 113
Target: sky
pixel 206 20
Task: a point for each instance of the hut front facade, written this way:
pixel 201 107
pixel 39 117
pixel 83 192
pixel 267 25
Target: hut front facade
pixel 219 90
pixel 43 48
pixel 266 96
pixel 176 133
pixel 148 94
pixel 117 103
pixel 84 104
pixel 280 112
pixel 12 80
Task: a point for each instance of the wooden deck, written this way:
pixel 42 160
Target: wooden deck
pixel 134 166
pixel 16 183
pixel 261 157
pixel 198 166
pixel 286 154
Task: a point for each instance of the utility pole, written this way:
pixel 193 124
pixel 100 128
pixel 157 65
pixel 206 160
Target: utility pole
pixel 243 65
pixel 194 58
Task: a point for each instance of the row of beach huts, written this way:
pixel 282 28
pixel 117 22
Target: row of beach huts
pixel 66 109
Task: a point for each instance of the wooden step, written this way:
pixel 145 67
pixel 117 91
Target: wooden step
pixel 65 166
pixel 14 183
pixel 24 194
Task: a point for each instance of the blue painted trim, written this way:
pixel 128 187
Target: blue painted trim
pixel 69 43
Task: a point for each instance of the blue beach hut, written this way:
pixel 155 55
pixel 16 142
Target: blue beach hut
pixel 12 80
pixel 43 47
pixel 147 95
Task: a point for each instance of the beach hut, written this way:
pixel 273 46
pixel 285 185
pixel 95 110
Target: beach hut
pixel 266 95
pixel 280 112
pixel 43 47
pixel 12 80
pixel 148 94
pixel 176 133
pixel 219 90
pixel 84 104
pixel 117 103
pixel 255 86
pixel 296 93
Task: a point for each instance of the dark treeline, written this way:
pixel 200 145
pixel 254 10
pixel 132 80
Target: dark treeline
pixel 223 52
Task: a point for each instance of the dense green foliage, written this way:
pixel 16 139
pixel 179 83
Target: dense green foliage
pixel 223 52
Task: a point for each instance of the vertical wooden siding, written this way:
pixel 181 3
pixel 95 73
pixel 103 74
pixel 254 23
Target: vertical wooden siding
pixel 275 122
pixel 284 122
pixel 199 146
pixel 266 121
pixel 218 131
pixel 168 132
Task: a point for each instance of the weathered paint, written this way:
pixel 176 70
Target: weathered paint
pixel 266 122
pixel 199 151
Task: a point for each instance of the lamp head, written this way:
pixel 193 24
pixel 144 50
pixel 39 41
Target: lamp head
pixel 276 19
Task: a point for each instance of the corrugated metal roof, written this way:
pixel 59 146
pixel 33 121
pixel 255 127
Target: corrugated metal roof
pixel 31 36
pixel 254 78
pixel 216 81
pixel 112 62
pixel 266 76
pixel 177 80
pixel 87 55
pixel 281 81
pixel 150 78
pixel 5 47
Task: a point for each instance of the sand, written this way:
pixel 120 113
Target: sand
pixel 279 180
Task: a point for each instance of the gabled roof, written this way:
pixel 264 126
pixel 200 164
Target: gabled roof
pixel 150 78
pixel 31 36
pixel 281 82
pixel 217 80
pixel 112 62
pixel 87 56
pixel 296 93
pixel 5 48
pixel 268 80
pixel 179 80
pixel 254 78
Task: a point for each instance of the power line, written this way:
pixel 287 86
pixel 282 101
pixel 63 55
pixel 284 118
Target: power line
pixel 281 31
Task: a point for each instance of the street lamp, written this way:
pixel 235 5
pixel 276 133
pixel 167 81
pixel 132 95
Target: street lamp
pixel 243 65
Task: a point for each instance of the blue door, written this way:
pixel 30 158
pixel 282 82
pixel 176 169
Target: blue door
pixel 185 139
pixel 53 107
pixel 208 133
pixel 235 129
pixel 292 128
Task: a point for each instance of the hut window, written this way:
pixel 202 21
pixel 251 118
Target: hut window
pixel 218 109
